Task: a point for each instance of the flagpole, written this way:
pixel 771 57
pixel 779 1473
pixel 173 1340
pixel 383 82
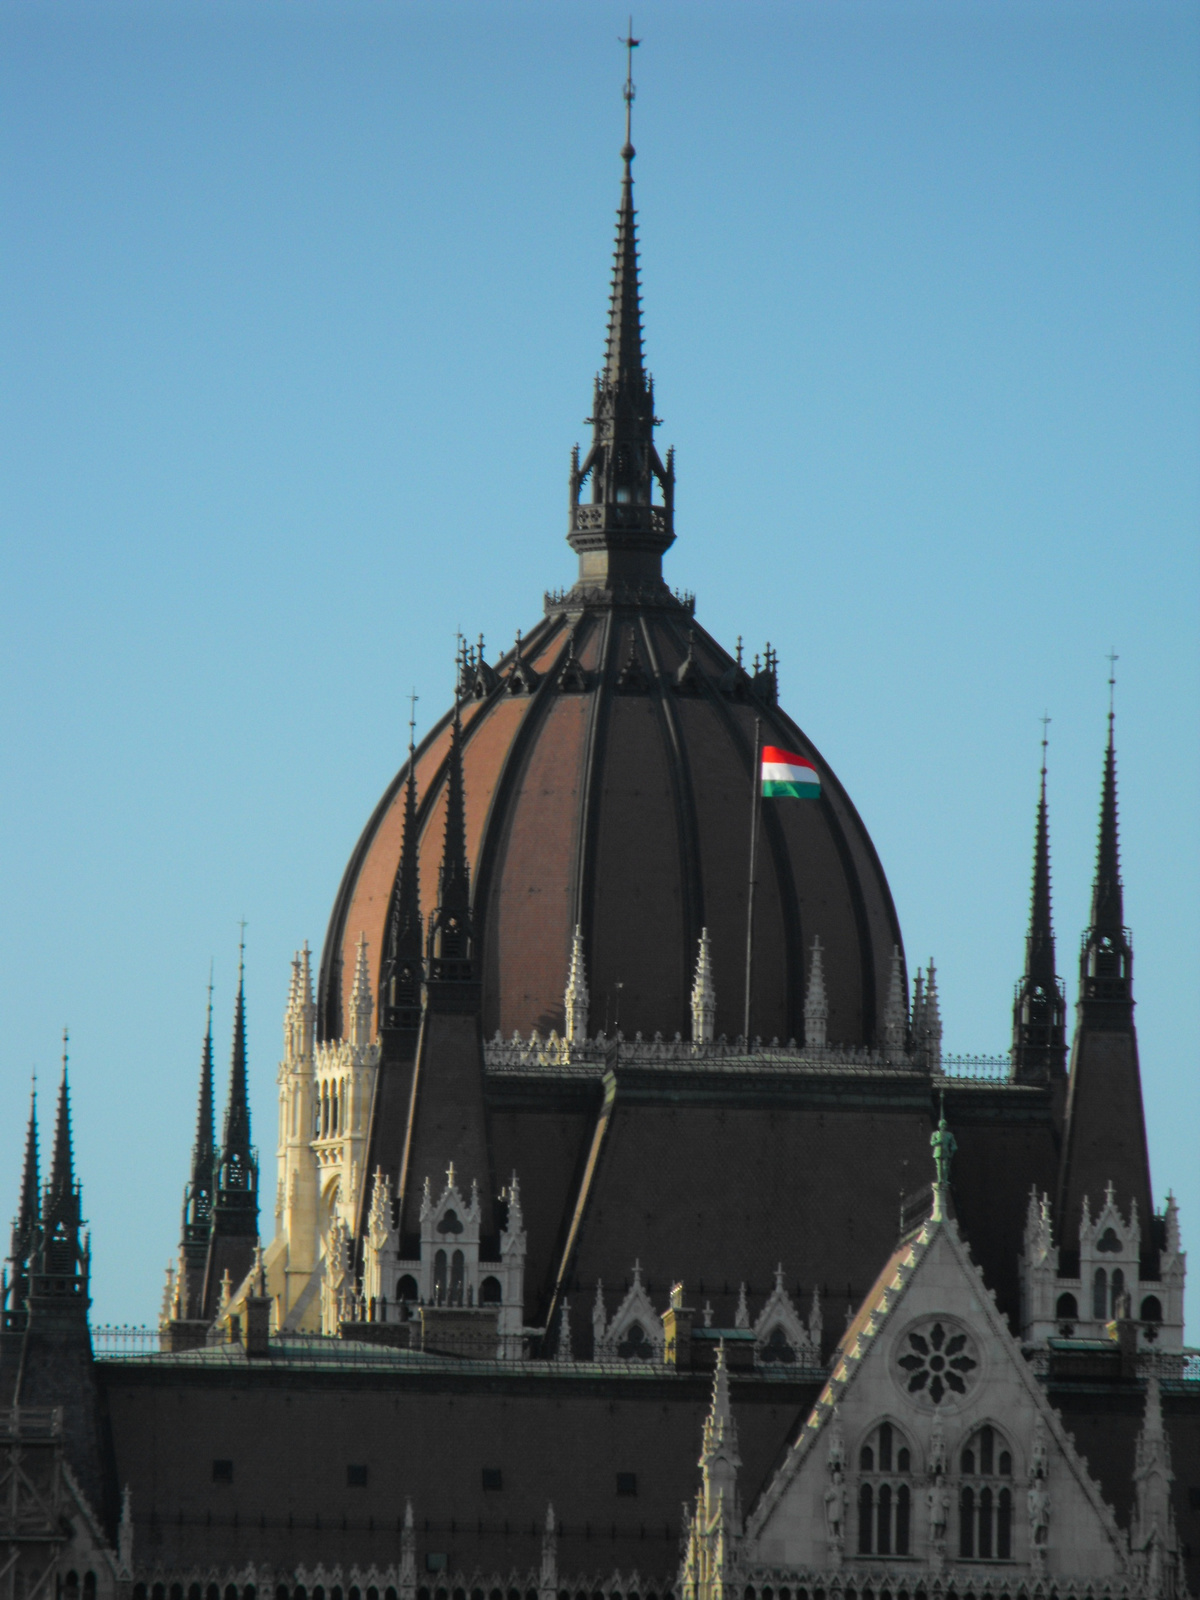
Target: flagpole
pixel 755 802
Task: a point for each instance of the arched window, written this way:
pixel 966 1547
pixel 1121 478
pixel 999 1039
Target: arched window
pixel 903 1519
pixel 777 1347
pixel 966 1523
pixel 1117 1291
pixel 489 1292
pixel 1004 1526
pixel 439 1278
pixel 883 1520
pixel 1066 1308
pixel 884 1498
pixel 985 1501
pixel 406 1289
pixel 456 1278
pixel 1100 1295
pixel 1152 1309
pixel 866 1500
pixel 636 1344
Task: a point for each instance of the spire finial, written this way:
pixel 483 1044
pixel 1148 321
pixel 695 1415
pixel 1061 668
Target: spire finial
pixel 413 697
pixel 630 93
pixel 1113 658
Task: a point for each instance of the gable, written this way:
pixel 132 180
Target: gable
pixel 932 1420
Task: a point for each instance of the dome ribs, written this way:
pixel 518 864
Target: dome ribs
pixel 691 876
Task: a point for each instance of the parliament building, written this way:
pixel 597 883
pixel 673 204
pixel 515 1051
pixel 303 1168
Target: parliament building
pixel 612 1252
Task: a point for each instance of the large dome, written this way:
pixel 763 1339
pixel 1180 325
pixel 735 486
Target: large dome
pixel 607 775
pixel 618 798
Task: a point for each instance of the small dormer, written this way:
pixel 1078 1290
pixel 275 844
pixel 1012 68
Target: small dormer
pixel 635 1332
pixel 450 1246
pixel 1065 1295
pixel 780 1337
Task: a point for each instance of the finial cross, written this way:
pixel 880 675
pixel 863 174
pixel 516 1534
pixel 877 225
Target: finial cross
pixel 630 91
pixel 1113 658
pixel 412 719
pixel 1045 720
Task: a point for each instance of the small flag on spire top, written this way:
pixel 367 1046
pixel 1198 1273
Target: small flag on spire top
pixel 786 774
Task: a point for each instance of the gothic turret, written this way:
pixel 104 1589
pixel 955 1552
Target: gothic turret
pixel 620 536
pixel 198 1195
pixel 1105 1137
pixel 1039 1046
pixel 235 1206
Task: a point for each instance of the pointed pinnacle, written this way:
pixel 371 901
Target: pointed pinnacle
pixel 62 1168
pixel 1039 944
pixel 1108 908
pixel 202 1154
pixel 237 1113
pixel 30 1210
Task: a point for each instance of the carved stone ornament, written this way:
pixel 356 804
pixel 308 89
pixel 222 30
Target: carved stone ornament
pixel 936 1363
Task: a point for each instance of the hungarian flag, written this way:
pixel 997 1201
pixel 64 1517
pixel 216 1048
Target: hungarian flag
pixel 785 773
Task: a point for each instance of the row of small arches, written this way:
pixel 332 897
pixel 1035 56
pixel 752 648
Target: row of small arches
pixel 1107 1293
pixel 985 1454
pixel 330 1114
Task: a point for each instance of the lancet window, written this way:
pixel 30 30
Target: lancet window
pixel 885 1493
pixel 985 1506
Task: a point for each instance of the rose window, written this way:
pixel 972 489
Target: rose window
pixel 937 1361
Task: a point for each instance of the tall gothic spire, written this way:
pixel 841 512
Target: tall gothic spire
pixel 25 1226
pixel 236 1207
pixel 61 1253
pixel 29 1215
pixel 400 989
pixel 198 1196
pixel 450 942
pixel 621 536
pixel 1106 962
pixel 1040 1006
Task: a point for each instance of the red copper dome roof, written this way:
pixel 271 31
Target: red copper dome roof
pixel 618 798
pixel 607 777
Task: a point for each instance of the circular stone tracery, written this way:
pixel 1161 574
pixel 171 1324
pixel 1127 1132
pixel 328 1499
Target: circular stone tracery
pixel 937 1362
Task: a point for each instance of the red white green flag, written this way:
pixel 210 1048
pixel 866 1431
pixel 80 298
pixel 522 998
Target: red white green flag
pixel 785 774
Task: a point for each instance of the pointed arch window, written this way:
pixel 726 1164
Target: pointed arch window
pixel 985 1502
pixel 1100 1295
pixel 885 1492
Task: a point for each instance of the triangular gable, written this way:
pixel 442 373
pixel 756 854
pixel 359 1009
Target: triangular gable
pixel 929 1354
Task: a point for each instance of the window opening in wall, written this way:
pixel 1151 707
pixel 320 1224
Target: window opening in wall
pixel 1100 1295
pixel 356 1477
pixel 627 1483
pixel 493 1478
pixel 885 1507
pixel 456 1278
pixel 439 1278
pixel 986 1505
pixel 222 1472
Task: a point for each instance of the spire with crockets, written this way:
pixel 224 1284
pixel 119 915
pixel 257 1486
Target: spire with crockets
pixel 450 937
pixel 400 989
pixel 1040 1007
pixel 198 1196
pixel 25 1228
pixel 1106 960
pixel 620 536
pixel 60 1267
pixel 235 1208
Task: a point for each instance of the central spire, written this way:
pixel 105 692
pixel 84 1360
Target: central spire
pixel 621 535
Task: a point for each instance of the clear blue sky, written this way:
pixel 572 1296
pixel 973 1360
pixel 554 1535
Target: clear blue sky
pixel 300 305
